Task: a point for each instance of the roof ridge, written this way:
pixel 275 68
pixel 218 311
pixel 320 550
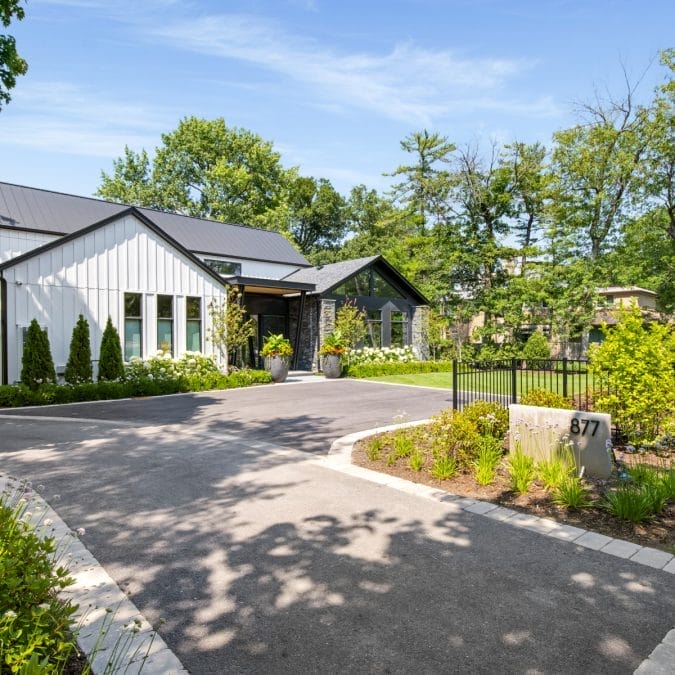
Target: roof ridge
pixel 147 208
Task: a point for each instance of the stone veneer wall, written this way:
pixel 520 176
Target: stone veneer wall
pixel 420 342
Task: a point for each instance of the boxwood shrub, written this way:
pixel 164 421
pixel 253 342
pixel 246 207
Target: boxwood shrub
pixel 397 368
pixel 13 396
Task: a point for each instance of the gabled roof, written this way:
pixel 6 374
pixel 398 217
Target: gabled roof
pixel 33 209
pixel 328 277
pixel 131 210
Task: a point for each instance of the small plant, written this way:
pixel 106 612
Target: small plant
pixel 487 460
pixel 667 481
pixel 644 474
pixel 404 445
pixel 630 502
pixel 557 468
pixel 333 345
pixel 111 363
pixel 546 399
pixel 276 345
pixel 391 459
pixel 374 449
pixel 416 461
pixel 571 493
pixel 78 367
pixel 444 468
pixel 37 363
pixel 521 469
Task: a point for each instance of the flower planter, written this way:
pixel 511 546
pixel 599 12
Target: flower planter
pixel 332 366
pixel 278 367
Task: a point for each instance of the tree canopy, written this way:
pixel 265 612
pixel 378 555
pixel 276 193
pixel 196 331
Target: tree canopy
pixel 11 63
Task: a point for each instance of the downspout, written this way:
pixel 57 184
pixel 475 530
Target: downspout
pixel 4 358
pixel 298 330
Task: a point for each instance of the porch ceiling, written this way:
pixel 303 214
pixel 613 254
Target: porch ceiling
pixel 270 286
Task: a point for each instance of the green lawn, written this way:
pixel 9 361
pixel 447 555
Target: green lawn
pixel 498 383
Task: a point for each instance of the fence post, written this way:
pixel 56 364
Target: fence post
pixel 514 382
pixel 564 376
pixel 455 393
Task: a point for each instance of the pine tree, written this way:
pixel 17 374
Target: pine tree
pixel 37 364
pixel 78 368
pixel 110 363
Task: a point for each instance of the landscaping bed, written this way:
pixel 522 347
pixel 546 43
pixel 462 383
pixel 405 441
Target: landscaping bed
pixel 657 530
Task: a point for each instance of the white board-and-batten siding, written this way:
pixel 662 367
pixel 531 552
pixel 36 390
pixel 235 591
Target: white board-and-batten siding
pixel 89 275
pixel 14 243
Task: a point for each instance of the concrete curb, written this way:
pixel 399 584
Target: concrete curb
pixel 339 458
pixel 112 633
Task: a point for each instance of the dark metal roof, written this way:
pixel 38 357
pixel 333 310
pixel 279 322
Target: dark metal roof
pixel 37 210
pixel 327 277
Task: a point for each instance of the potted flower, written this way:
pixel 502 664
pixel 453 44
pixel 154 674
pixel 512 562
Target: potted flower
pixel 332 349
pixel 277 349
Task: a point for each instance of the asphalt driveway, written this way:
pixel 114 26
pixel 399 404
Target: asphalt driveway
pixel 213 512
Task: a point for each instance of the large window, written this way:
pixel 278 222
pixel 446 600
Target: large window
pixel 133 325
pixel 224 267
pixel 165 322
pixel 374 328
pixel 399 329
pixel 367 283
pixel 193 342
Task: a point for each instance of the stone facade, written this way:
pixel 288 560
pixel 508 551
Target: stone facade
pixel 318 320
pixel 419 341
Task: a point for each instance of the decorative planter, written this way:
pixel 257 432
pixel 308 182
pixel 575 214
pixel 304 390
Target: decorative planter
pixel 278 366
pixel 332 366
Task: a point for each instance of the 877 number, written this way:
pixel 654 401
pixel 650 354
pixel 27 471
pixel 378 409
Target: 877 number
pixel 580 426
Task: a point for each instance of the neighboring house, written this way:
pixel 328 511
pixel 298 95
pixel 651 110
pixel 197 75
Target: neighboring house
pixel 616 297
pixel 155 274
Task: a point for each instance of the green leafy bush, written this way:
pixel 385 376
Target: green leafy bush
pixel 78 367
pixel 37 365
pixel 34 623
pixel 537 351
pixel 397 368
pixel 110 362
pixel 490 418
pixel 546 399
pixel 634 377
pixel 454 435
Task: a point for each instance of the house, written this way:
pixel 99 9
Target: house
pixel 156 273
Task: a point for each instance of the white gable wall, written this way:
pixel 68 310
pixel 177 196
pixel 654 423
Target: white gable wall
pixel 260 269
pixel 89 275
pixel 13 243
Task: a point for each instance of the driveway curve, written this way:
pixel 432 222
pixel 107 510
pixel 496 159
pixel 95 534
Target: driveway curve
pixel 213 513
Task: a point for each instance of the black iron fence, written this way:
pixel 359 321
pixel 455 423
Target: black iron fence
pixel 506 380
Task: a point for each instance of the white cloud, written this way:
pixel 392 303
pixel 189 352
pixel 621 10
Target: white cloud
pixel 408 84
pixel 62 117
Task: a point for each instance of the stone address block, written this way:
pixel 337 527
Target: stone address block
pixel 539 431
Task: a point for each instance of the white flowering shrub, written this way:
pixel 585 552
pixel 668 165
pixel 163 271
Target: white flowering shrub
pixel 367 355
pixel 162 366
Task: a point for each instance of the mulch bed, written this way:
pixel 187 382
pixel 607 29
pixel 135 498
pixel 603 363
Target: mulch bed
pixel 659 532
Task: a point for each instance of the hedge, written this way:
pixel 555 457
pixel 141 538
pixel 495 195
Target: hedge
pixel 398 368
pixel 13 396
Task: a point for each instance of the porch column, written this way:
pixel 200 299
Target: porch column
pixel 420 338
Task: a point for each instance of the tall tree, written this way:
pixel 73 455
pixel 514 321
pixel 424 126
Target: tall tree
pixel 11 64
pixel 425 187
pixel 595 167
pixel 318 216
pixel 205 169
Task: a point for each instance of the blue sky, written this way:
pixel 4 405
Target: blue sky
pixel 334 84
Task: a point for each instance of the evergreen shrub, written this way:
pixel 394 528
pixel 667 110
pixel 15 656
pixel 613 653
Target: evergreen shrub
pixel 78 367
pixel 110 361
pixel 37 366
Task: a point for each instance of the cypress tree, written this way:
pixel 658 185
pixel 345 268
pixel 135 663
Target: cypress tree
pixel 37 365
pixel 78 368
pixel 110 362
